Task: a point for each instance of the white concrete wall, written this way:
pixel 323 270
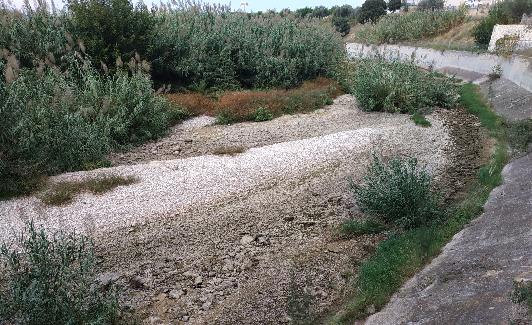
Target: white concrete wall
pixel 516 68
pixel 524 33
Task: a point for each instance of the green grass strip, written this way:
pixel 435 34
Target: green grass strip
pixel 401 256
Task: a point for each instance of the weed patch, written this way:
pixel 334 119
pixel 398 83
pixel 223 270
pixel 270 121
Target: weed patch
pixel 237 106
pixel 420 120
pixel 522 294
pixel 520 135
pixel 230 151
pixel 402 255
pixel 64 192
pixel 396 86
pixel 50 280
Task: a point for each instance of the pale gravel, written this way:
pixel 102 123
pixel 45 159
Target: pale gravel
pixel 189 214
pixel 165 186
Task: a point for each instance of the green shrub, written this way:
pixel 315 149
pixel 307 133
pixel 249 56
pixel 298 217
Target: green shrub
pixel 341 25
pixel 127 107
pixel 111 28
pixel 371 11
pixel 232 50
pixel 398 192
pixel 395 86
pixel 420 120
pixel 520 135
pixel 225 118
pixel 522 294
pixel 54 122
pixel 410 26
pixel 262 114
pixel 482 32
pixel 431 5
pixel 34 37
pixel 50 280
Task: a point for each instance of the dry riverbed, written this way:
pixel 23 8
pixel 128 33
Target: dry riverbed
pixel 247 237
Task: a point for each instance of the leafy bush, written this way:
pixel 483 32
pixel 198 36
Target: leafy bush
pixel 371 11
pixel 504 12
pixel 50 280
pixel 212 49
pixel 341 25
pixel 394 5
pixel 410 26
pixel 398 192
pixel 54 122
pixel 395 86
pixel 263 114
pixel 482 32
pixel 111 28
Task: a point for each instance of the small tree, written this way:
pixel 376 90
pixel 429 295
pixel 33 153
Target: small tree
pixel 394 5
pixel 341 24
pixel 371 11
pixel 111 28
pixel 304 12
pixel 431 5
pixel 320 12
pixel 345 11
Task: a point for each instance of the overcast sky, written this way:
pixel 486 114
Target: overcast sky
pixel 256 5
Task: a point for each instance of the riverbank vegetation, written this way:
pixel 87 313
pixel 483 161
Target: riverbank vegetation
pixel 405 252
pixel 80 83
pixel 392 85
pixel 259 105
pixel 49 279
pixel 411 26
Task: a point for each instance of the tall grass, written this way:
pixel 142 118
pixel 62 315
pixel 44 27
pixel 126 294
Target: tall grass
pixel 392 85
pixel 212 49
pixel 410 26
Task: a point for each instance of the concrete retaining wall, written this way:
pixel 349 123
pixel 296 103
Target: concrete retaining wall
pixel 523 32
pixel 517 69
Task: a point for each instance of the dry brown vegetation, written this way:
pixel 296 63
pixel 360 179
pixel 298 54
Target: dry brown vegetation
pixel 242 105
pixel 457 38
pixel 230 151
pixel 64 192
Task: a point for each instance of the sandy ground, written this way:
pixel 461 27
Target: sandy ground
pixel 249 238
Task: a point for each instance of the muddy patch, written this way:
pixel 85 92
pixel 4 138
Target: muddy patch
pixel 469 150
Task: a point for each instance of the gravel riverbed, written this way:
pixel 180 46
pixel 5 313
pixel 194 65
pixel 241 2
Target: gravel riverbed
pixel 225 239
